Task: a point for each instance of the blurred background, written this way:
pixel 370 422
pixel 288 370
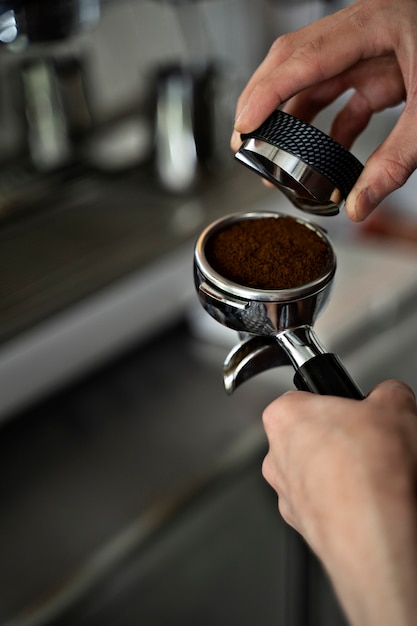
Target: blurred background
pixel 130 485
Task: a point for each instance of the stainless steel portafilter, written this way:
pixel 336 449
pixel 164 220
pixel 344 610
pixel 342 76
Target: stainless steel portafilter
pixel 275 325
pixel 315 172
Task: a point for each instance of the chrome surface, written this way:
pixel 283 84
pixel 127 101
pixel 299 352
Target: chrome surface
pixel 304 186
pixel 175 145
pixel 250 357
pixel 258 353
pixel 300 344
pixel 257 311
pixel 229 288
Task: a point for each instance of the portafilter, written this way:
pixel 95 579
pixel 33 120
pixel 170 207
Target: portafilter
pixel 275 325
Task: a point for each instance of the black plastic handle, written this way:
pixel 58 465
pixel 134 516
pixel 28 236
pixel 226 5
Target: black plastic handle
pixel 324 374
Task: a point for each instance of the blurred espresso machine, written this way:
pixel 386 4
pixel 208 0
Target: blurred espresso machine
pixel 47 45
pixel 43 85
pixel 45 20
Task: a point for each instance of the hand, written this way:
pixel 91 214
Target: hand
pixel 345 472
pixel 370 47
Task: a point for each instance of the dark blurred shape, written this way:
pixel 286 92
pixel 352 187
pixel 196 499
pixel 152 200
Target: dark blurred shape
pixel 46 20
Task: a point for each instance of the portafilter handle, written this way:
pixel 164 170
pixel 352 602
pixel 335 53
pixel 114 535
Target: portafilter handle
pixel 316 370
pixel 325 374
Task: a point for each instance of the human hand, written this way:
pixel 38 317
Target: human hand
pixel 345 472
pixel 370 47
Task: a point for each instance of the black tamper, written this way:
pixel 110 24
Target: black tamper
pixel 315 172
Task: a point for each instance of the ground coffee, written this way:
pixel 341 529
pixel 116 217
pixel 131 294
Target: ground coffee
pixel 268 253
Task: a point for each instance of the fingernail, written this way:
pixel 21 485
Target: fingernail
pixel 239 117
pixel 365 204
pixel 235 141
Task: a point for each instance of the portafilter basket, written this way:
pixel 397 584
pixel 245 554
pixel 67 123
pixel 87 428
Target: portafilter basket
pixel 275 326
pixel 315 172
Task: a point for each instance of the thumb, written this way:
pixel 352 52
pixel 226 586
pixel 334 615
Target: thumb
pixel 396 390
pixel 387 169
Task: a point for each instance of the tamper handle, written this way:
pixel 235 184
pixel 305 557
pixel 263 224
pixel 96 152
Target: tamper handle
pixel 324 374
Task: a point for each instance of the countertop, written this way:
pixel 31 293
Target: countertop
pixel 90 473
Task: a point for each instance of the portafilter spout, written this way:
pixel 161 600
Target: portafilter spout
pixel 277 324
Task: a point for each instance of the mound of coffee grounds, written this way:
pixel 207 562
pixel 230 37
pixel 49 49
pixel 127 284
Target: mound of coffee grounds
pixel 268 253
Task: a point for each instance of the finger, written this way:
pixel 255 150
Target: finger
pixel 387 169
pixel 393 388
pixel 310 102
pixel 353 118
pixel 282 49
pixel 272 477
pixel 269 472
pixel 329 53
pixel 276 413
pixel 235 141
pixel 286 512
pixel 378 84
